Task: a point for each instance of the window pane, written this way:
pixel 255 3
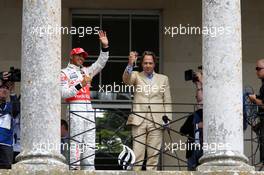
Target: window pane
pixel 145 34
pixel 88 41
pixel 117 28
pixel 113 72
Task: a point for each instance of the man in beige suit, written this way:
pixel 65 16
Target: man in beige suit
pixel 153 90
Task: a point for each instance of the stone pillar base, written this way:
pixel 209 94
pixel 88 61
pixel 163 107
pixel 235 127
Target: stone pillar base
pixel 224 161
pixel 41 164
pixel 225 166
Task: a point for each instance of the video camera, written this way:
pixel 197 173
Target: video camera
pixel 191 75
pixel 15 75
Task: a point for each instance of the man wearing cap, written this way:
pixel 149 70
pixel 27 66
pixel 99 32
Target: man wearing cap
pixel 75 89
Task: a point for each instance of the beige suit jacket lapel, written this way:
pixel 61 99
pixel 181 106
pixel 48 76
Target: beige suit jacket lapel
pixel 144 78
pixel 155 79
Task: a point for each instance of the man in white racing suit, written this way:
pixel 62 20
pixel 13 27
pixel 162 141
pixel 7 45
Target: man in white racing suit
pixel 75 89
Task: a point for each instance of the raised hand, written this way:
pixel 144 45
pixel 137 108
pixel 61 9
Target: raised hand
pixel 132 57
pixel 103 39
pixel 6 75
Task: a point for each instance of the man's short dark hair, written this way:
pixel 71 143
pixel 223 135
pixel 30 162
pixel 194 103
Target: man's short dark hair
pixel 151 54
pixel 65 124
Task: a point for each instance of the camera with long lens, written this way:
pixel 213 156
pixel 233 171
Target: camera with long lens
pixel 15 75
pixel 191 75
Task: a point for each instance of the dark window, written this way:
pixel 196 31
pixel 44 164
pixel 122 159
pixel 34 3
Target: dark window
pixel 125 32
pixel 145 34
pixel 88 42
pixel 117 28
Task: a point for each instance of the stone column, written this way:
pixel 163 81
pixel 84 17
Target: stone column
pixel 40 86
pixel 222 68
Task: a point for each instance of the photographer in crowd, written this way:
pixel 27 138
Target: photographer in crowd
pixel 8 111
pixel 259 100
pixel 198 120
pixel 195 121
pixel 8 114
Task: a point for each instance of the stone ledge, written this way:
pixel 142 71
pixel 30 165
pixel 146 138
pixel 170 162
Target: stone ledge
pixel 52 172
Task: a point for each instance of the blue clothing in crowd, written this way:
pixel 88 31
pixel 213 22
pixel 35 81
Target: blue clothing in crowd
pixel 6 123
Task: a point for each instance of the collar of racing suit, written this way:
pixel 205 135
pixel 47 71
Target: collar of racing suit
pixel 74 66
